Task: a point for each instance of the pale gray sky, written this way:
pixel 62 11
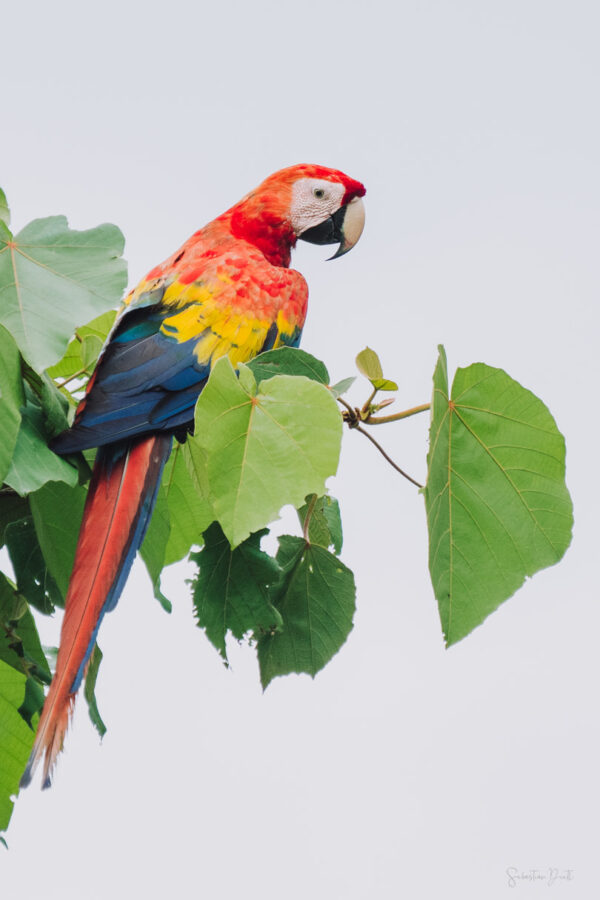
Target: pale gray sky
pixel 403 770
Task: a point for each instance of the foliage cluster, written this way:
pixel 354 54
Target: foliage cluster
pixel 266 436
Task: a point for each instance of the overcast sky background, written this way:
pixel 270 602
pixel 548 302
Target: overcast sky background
pixel 403 770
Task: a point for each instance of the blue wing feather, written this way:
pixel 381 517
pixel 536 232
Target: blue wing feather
pixel 144 381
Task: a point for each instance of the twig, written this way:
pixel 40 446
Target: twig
pixel 352 418
pixel 395 417
pixel 384 454
pixel 367 404
pixel 346 405
pixel 72 377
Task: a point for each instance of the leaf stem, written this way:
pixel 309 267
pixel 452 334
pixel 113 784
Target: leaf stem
pixel 385 456
pixel 346 405
pixel 308 517
pixel 367 404
pixel 352 417
pixel 395 417
pixel 71 377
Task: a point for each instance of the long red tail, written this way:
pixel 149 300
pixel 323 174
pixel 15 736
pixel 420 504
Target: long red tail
pixel 118 508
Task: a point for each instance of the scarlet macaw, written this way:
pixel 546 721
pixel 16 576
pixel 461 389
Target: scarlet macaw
pixel 227 291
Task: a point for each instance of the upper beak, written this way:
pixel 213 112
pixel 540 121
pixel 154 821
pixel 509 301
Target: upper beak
pixel 344 226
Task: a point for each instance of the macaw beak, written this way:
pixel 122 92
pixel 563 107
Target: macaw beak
pixel 344 227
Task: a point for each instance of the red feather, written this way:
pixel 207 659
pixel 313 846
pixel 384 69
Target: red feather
pixel 118 506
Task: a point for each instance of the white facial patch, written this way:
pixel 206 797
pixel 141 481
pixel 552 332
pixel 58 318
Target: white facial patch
pixel 313 201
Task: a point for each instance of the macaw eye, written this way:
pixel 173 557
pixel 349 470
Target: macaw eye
pixel 319 193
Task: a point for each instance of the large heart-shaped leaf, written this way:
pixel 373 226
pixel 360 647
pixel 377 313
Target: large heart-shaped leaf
pixel 316 599
pixel 52 279
pixel 497 505
pixel 231 588
pixel 264 446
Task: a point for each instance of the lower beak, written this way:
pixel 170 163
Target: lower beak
pixel 344 227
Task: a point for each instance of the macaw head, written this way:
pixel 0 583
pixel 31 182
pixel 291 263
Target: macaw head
pixel 327 208
pixel 313 203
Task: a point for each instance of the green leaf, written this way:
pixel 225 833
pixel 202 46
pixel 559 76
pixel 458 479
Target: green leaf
pixel 52 278
pixel 16 738
pixel 367 363
pixel 342 386
pixel 12 508
pixel 246 378
pixel 12 605
pixel 180 517
pixel 41 391
pixel 21 640
pixel 84 349
pixel 196 461
pixel 331 512
pixel 34 580
pixel 11 399
pixel 325 525
pixel 288 361
pixel 4 209
pixel 90 350
pixel 51 654
pixel 33 702
pixel 33 654
pixel 153 549
pixel 57 511
pixel 190 513
pixel 89 691
pixel 497 505
pixel 55 407
pixel 384 384
pixel 231 588
pixel 264 450
pixel 316 599
pixel 33 463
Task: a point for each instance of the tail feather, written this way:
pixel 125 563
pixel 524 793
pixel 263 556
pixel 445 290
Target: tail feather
pixel 117 512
